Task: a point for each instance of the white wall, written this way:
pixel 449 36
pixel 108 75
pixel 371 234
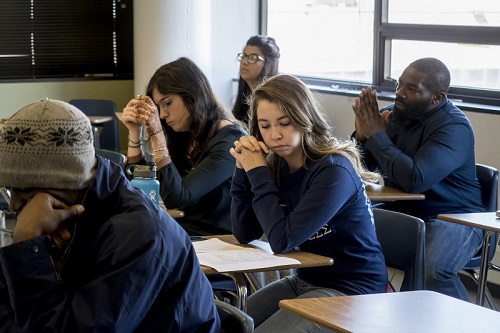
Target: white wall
pixel 210 32
pixel 338 109
pixel 232 24
pixel 165 30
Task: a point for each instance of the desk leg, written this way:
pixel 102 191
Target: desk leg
pixel 241 289
pixel 483 270
pixel 96 137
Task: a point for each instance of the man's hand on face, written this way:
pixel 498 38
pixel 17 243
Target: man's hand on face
pixel 368 120
pixel 44 215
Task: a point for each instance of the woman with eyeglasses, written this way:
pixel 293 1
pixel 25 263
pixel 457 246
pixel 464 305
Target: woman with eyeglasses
pixel 260 59
pixel 190 134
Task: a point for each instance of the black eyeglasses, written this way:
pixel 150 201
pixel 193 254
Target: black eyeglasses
pixel 251 58
pixel 164 103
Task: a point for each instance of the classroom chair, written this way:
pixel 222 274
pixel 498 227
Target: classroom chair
pixel 113 156
pixel 108 136
pixel 402 238
pixel 233 319
pixel 488 179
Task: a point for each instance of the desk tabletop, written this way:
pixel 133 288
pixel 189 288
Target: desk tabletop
pixel 412 311
pixel 486 220
pixel 306 259
pixel 175 213
pixel 94 120
pixel 380 193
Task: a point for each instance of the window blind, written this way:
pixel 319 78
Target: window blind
pixel 66 38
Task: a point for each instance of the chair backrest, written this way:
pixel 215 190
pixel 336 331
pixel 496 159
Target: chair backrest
pixel 488 179
pixel 109 137
pixel 113 156
pixel 233 319
pixel 402 238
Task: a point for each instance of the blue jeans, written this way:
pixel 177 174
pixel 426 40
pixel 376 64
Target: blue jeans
pixel 263 306
pixel 449 247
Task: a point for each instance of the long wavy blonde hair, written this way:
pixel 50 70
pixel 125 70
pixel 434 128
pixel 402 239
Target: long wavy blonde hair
pixel 297 102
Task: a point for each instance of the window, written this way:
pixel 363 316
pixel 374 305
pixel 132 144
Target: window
pixel 59 39
pixel 324 39
pixel 346 44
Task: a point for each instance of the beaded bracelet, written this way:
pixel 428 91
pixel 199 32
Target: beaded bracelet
pixel 162 157
pixel 159 149
pixel 138 146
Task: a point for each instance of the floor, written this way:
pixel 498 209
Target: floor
pixel 472 289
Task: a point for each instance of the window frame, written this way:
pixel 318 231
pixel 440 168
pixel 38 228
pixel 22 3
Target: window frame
pixel 482 100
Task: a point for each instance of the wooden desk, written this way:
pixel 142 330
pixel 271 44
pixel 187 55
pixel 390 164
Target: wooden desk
pixel 411 311
pixel 175 213
pixel 306 260
pixel 380 193
pixel 490 223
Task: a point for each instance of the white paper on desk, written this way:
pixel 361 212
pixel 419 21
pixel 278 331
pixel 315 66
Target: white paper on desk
pixel 213 245
pixel 230 258
pixel 265 246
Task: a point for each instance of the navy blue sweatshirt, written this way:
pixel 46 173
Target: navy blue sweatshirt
pixel 321 209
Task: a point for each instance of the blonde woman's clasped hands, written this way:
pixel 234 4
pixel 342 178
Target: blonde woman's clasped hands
pixel 249 153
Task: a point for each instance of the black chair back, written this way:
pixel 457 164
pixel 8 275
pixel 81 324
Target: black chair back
pixel 233 319
pixel 488 179
pixel 113 156
pixel 402 238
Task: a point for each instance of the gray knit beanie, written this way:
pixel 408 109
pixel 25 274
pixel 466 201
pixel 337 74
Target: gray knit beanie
pixel 47 144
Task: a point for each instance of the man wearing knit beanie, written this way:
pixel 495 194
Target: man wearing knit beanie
pixel 90 253
pixel 47 144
